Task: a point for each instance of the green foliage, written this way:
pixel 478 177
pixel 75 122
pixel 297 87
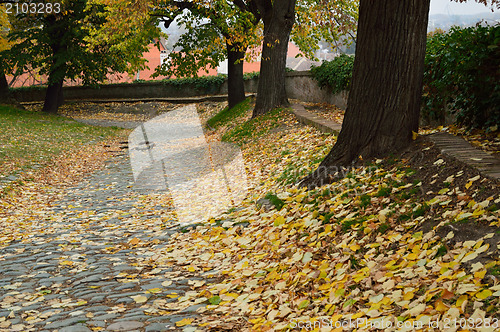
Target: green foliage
pixel 231 28
pixel 365 200
pixel 335 74
pixel 495 271
pixel 209 84
pixel 384 192
pixel 292 174
pixel 328 22
pixel 382 228
pixel 214 300
pixel 441 251
pixel 327 217
pixel 57 44
pixel 355 264
pixel 252 75
pixel 462 70
pixel 30 88
pixel 347 224
pixel 461 75
pixel 421 210
pixel 229 114
pixel 275 200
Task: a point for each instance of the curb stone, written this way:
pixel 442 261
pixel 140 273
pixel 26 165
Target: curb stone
pixel 447 143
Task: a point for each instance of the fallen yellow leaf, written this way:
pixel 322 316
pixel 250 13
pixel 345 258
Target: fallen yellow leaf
pixel 184 322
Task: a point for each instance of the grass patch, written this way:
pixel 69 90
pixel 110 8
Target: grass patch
pixel 326 218
pixel 420 211
pixel 188 228
pixel 495 271
pixel 409 194
pixel 228 115
pixel 383 228
pixel 348 224
pixel 364 200
pixel 28 138
pixel 292 174
pixel 441 251
pixel 259 126
pixel 384 192
pixel 275 200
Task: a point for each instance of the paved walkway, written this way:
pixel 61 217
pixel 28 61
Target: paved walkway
pixel 88 265
pixel 449 144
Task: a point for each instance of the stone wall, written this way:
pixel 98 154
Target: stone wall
pixel 299 85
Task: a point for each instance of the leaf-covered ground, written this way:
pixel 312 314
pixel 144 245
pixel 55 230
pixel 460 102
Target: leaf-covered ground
pixel 405 241
pixel 409 240
pixel 487 140
pixel 30 139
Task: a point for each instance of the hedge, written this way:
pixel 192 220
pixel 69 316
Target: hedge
pixel 462 75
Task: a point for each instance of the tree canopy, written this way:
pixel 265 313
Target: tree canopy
pixel 215 29
pixel 382 115
pixel 55 44
pixel 5 45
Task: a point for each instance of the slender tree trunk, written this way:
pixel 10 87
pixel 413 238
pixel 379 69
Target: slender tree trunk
pixel 278 22
pixel 386 88
pixel 235 82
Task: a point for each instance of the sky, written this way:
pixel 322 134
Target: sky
pixel 449 7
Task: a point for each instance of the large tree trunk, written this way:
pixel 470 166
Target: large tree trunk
pixel 4 87
pixel 5 95
pixel 278 22
pixel 386 88
pixel 53 97
pixel 235 82
pixel 54 94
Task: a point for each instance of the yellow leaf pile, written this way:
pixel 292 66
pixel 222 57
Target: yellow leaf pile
pixel 346 251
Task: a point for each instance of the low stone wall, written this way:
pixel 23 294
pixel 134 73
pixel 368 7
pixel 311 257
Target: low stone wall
pixel 299 85
pixel 119 91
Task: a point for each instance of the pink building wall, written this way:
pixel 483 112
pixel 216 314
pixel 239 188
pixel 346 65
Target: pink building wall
pixel 153 58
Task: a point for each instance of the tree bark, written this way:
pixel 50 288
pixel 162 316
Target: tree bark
pixel 53 97
pixel 4 87
pixel 386 88
pixel 235 82
pixel 6 96
pixel 54 94
pixel 278 18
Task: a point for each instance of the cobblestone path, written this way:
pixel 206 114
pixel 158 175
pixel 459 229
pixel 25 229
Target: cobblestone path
pixel 90 265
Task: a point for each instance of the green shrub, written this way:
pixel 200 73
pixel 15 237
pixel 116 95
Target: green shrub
pixel 29 88
pixel 462 71
pixel 336 73
pixel 252 75
pixel 210 83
